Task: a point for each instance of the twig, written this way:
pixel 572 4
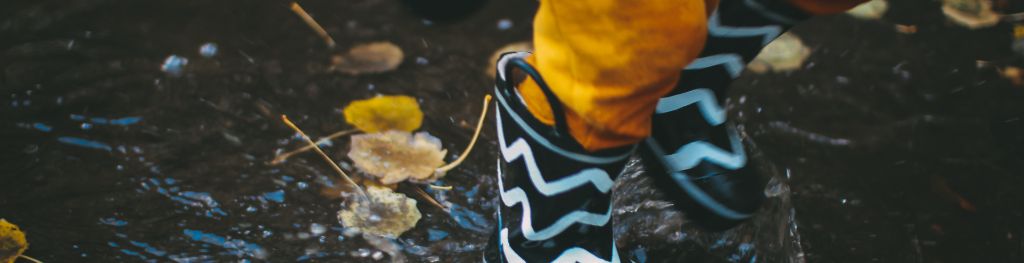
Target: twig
pixel 284 156
pixel 476 135
pixel 324 155
pixel 313 24
pixel 439 187
pixel 429 198
pixel 30 258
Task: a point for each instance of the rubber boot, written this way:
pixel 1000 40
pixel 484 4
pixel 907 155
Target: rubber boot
pixel 694 153
pixel 555 197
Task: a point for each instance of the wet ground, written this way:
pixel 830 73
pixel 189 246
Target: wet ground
pixel 886 147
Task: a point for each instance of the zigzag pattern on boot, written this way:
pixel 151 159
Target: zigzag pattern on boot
pixel 571 255
pixel 519 149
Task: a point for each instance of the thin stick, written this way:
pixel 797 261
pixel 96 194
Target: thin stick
pixel 284 156
pixel 313 24
pixel 429 198
pixel 440 187
pixel 30 258
pixel 476 135
pixel 324 155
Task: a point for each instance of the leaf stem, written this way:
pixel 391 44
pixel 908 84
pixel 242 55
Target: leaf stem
pixel 324 155
pixel 476 135
pixel 430 199
pixel 29 258
pixel 313 24
pixel 284 156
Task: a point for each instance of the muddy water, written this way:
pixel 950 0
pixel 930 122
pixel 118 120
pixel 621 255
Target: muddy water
pixel 885 147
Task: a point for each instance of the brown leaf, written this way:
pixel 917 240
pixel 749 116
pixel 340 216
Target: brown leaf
pixel 386 213
pixel 513 47
pixel 395 156
pixel 374 57
pixel 973 14
pixel 871 10
pixel 785 53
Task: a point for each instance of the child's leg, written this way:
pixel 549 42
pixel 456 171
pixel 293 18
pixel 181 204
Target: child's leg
pixel 564 137
pixel 693 151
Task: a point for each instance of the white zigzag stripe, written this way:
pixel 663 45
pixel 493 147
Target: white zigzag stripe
pixel 572 255
pixel 691 154
pixel 732 62
pixel 715 28
pixel 705 100
pixel 519 148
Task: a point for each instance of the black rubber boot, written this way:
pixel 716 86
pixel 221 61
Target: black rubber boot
pixel 555 196
pixel 693 150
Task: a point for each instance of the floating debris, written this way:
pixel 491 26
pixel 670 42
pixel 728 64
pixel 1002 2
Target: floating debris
pixel 384 113
pixel 374 57
pixel 386 213
pixel 973 14
pixel 394 156
pixel 513 47
pixel 208 50
pixel 871 10
pixel 174 65
pixel 786 53
pixel 313 24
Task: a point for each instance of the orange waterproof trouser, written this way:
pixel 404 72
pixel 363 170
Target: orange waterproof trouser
pixel 609 61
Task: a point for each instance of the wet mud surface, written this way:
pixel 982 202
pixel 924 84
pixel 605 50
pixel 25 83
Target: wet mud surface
pixel 886 147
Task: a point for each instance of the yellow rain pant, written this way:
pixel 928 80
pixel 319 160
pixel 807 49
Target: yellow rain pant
pixel 609 61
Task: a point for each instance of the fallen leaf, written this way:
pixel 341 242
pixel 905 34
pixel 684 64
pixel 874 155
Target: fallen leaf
pixel 384 113
pixel 871 10
pixel 785 53
pixel 513 47
pixel 12 242
pixel 1014 75
pixel 395 156
pixel 374 57
pixel 973 14
pixel 386 213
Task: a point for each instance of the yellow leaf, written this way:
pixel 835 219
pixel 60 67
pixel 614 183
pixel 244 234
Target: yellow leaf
pixel 384 113
pixel 386 213
pixel 12 242
pixel 394 156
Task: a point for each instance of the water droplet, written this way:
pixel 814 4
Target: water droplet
pixel 208 50
pixel 504 24
pixel 317 229
pixel 174 65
